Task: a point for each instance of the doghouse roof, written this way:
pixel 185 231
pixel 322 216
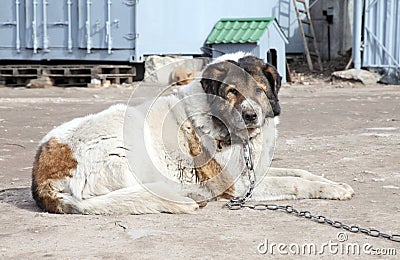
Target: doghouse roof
pixel 241 30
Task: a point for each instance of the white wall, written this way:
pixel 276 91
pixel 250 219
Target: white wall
pixel 182 26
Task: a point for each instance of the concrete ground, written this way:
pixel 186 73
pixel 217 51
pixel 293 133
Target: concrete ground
pixel 348 134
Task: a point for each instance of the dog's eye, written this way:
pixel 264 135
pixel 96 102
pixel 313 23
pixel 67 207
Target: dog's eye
pixel 259 90
pixel 233 91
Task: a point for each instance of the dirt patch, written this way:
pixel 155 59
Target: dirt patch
pixel 347 134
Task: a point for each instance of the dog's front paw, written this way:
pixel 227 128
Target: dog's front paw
pixel 339 191
pixel 348 188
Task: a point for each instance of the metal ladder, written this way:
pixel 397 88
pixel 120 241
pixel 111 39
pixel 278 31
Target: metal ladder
pixel 307 20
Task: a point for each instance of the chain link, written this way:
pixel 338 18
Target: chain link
pixel 240 203
pixel 248 158
pixel 317 218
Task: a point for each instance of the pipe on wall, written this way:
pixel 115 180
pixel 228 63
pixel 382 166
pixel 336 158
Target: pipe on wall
pixel 357 34
pixel 34 28
pixel 108 28
pixel 88 36
pixel 18 40
pixel 45 36
pixel 69 3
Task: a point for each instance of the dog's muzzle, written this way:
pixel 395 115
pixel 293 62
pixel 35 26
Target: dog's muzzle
pixel 251 113
pixel 250 117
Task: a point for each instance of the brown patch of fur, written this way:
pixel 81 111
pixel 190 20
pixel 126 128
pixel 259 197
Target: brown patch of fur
pixel 194 144
pixel 296 191
pixel 53 161
pixel 263 86
pixel 182 76
pixel 210 172
pixel 274 73
pixel 233 98
pixel 267 78
pixel 229 194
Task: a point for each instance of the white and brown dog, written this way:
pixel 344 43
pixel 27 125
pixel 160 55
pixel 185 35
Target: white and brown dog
pixel 174 153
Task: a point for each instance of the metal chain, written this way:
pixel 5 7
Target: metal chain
pixel 317 218
pixel 240 203
pixel 248 158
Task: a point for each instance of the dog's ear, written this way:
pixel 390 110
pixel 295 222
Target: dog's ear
pixel 214 75
pixel 274 79
pixel 253 65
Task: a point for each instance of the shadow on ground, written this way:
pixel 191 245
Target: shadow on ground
pixel 19 197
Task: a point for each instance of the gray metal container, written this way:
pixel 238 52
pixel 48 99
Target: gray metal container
pixel 67 30
pixel 124 30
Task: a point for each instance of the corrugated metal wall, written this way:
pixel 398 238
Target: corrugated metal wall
pixel 382 34
pixel 67 29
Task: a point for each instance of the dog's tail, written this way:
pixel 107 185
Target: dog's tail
pixel 135 200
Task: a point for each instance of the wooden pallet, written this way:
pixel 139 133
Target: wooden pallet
pixel 117 74
pixel 66 75
pixel 18 75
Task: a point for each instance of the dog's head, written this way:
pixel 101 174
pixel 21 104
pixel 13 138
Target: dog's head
pixel 243 93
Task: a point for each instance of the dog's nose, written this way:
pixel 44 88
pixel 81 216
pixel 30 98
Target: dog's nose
pixel 249 116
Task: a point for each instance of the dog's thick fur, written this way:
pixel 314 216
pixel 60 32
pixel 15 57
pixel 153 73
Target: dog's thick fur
pixel 176 153
pixel 182 76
